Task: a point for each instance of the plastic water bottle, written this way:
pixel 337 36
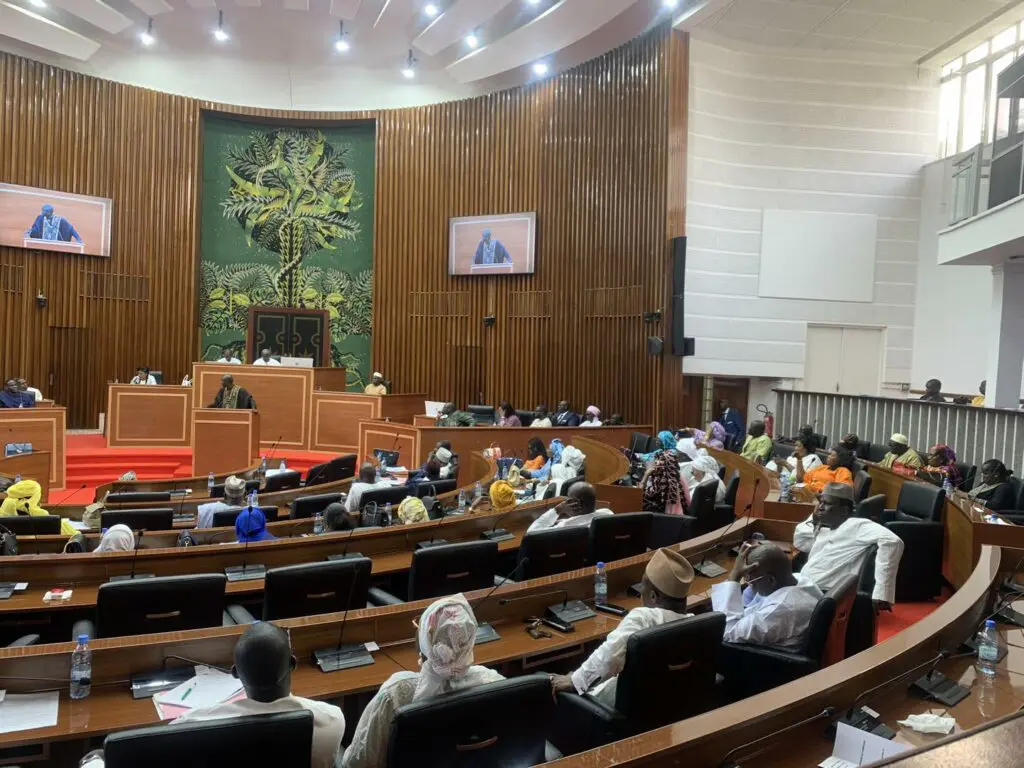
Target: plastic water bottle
pixel 209 484
pixel 462 502
pixel 600 586
pixel 254 500
pixel 988 648
pixel 986 695
pixel 81 669
pixel 387 513
pixel 282 467
pixel 947 487
pixel 263 468
pixel 478 491
pixel 784 482
pixel 17 478
pixel 318 523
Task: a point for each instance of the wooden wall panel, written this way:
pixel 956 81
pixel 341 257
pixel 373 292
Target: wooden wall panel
pixel 595 151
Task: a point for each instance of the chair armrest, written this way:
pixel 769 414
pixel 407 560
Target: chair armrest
pixel 239 614
pixel 24 641
pixel 582 723
pixel 378 597
pixel 888 516
pixel 83 627
pixel 872 508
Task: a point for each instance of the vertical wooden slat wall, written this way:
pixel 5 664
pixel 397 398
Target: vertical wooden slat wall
pixel 594 151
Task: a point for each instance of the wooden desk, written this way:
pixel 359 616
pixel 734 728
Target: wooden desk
pixel 45 428
pixel 196 484
pixel 330 379
pixel 224 438
pixel 31 466
pixel 336 416
pixel 143 416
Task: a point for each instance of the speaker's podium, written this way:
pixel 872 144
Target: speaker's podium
pixel 224 439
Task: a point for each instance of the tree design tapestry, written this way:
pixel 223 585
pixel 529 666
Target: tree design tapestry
pixel 287 221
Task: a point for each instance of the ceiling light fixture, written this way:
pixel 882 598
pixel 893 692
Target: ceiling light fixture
pixel 670 4
pixel 219 34
pixel 409 70
pixel 540 69
pixel 431 10
pixel 38 3
pixel 147 36
pixel 472 40
pixel 534 3
pixel 342 45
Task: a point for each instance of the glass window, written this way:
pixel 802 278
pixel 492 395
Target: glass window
pixel 1004 39
pixel 999 124
pixel 978 53
pixel 953 66
pixel 973 109
pixel 949 116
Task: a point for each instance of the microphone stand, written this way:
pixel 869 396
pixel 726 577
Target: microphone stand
pixel 727 762
pixel 132 576
pixel 341 656
pixel 559 617
pixel 434 542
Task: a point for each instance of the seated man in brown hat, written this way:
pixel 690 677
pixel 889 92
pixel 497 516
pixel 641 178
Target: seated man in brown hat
pixel 666 584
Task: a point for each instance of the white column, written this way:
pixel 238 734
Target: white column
pixel 1005 336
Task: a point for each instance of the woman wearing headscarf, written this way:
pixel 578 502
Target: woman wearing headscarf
pixel 536 456
pixel 501 498
pixel 412 510
pixel 801 453
pixel 569 466
pixel 703 469
pixel 118 538
pixel 251 525
pixel 941 466
pixel 713 438
pixel 995 491
pixel 667 442
pixel 445 635
pixel 592 417
pixel 663 490
pixel 23 499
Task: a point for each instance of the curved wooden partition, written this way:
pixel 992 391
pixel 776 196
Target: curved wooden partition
pixel 604 464
pixel 756 483
pixel 195 484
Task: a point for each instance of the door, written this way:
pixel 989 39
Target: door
pixel 843 359
pixel 824 358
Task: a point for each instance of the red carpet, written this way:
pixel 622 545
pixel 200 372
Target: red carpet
pixel 903 615
pixel 91 463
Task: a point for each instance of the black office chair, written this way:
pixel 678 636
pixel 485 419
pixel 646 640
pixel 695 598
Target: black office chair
pixel 678 656
pixel 226 517
pixel 667 530
pixel 877 451
pixel 525 417
pixel 161 604
pixel 821 441
pixel 967 474
pixel 445 570
pixel 702 507
pixel 338 468
pixel 283 481
pixel 863 451
pixel 552 551
pixel 433 488
pixel 871 508
pixel 861 630
pixel 26 525
pixel 617 536
pixel 638 442
pixel 217 492
pixel 861 486
pixel 137 497
pixel 308 506
pixel 498 724
pixel 782 450
pixel 308 589
pixel 483 415
pixel 283 738
pixel 751 669
pixel 567 484
pixel 382 496
pixel 161 519
pixel 726 509
pixel 919 576
pixel 917 502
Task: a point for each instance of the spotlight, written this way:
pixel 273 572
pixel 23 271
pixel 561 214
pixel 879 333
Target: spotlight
pixel 540 69
pixel 219 34
pixel 670 4
pixel 431 10
pixel 147 36
pixel 342 45
pixel 472 40
pixel 534 3
pixel 409 70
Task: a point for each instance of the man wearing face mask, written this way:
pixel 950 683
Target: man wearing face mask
pixel 775 609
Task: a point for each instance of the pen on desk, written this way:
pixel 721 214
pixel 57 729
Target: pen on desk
pixel 185 695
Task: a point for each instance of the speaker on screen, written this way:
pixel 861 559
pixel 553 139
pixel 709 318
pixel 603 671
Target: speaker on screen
pixel 681 346
pixel 655 346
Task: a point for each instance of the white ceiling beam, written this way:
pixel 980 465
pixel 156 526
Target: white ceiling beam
pixel 456 22
pixel 97 13
pixel 345 9
pixel 28 27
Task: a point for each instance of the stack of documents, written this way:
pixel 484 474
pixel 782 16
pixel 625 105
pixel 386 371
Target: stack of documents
pixel 207 688
pixel 25 711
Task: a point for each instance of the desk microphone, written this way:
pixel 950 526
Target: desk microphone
pixel 340 656
pixel 433 541
pixel 727 762
pixel 72 495
pixel 131 576
pixel 244 573
pixel 713 569
pixel 560 617
pixel 273 448
pixel 753 495
pixel 496 533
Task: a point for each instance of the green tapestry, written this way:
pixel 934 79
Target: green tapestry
pixel 287 221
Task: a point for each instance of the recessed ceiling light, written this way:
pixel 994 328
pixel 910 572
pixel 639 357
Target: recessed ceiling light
pixel 342 45
pixel 472 41
pixel 219 34
pixel 534 3
pixel 540 69
pixel 147 36
pixel 431 10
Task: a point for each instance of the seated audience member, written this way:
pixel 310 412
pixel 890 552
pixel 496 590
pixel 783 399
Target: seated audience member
pixel 445 634
pixel 567 465
pixel 615 420
pixel 412 510
pixel 838 468
pixel 758 446
pixel 536 456
pixel 251 525
pixel 142 376
pixel 979 400
pixel 366 481
pixel 118 538
pixel 227 357
pixel 732 420
pixel 800 453
pixel 995 491
pixel 234 497
pixel 941 466
pixel 376 385
pixel 565 416
pixel 775 609
pixel 509 417
pixel 900 454
pixel 592 417
pixel 265 359
pixel 450 417
pixel 34 393
pixel 579 508
pixel 23 499
pixel 12 397
pixel 851 443
pixel 667 442
pixel 662 487
pixel 429 473
pixel 933 392
pixel 449 461
pixel 541 417
pixel 703 469
pixel 666 584
pixel 838 543
pixel 500 498
pixel 232 396
pixel 714 437
pixel 807 437
pixel 336 518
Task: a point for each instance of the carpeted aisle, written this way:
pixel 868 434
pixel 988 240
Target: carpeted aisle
pixel 904 615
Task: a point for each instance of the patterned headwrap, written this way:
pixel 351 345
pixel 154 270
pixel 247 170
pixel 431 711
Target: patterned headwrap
pixel 447 631
pixel 667 439
pixel 717 436
pixel 412 510
pixel 947 463
pixel 663 484
pixel 556 448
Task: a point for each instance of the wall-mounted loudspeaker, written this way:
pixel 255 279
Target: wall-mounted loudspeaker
pixel 681 346
pixel 655 346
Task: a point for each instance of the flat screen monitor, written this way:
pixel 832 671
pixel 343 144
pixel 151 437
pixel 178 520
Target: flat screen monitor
pixel 492 245
pixel 47 220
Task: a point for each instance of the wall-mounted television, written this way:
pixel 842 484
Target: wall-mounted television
pixel 503 244
pixel 47 220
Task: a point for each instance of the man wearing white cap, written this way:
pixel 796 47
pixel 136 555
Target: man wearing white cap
pixel 901 454
pixel 234 498
pixel 376 387
pixel 666 584
pixel 838 543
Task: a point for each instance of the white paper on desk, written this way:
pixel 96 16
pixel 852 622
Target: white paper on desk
pixel 860 747
pixel 208 687
pixel 78 525
pixel 835 762
pixel 23 711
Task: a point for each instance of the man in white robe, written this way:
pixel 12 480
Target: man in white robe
pixel 775 609
pixel 579 508
pixel 265 359
pixel 666 585
pixel 838 543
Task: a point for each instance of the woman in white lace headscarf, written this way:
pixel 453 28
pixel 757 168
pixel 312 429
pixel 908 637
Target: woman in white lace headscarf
pixel 703 469
pixel 570 466
pixel 447 631
pixel 118 538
